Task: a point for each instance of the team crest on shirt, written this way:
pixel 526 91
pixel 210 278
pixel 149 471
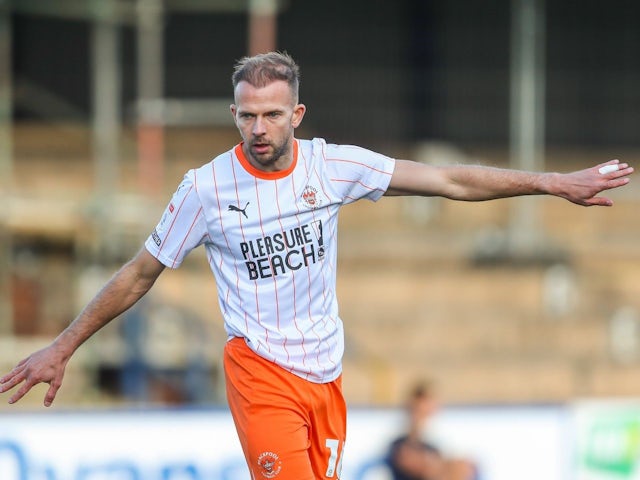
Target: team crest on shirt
pixel 270 464
pixel 310 197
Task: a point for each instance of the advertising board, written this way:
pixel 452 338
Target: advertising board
pixel 201 444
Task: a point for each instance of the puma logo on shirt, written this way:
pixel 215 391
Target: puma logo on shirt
pixel 233 208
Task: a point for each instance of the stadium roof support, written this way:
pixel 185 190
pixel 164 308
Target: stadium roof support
pixel 6 169
pixel 527 116
pixel 150 111
pixel 106 90
pixel 262 26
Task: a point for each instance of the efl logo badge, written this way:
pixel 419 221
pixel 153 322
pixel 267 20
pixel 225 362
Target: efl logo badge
pixel 156 238
pixel 310 197
pixel 270 464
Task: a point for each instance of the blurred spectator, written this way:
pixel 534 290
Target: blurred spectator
pixel 413 456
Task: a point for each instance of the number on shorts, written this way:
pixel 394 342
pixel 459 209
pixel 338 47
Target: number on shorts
pixel 333 465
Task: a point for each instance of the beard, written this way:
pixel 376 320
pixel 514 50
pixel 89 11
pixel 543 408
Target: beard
pixel 272 154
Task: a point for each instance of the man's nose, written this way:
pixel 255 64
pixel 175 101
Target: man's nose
pixel 259 126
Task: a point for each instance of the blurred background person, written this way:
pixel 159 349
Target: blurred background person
pixel 416 454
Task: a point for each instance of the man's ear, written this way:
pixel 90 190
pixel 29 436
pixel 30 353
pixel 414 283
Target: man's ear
pixel 233 110
pixel 298 113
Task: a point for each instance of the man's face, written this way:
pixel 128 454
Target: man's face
pixel 266 118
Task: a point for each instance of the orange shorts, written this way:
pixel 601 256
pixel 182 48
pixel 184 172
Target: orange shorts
pixel 289 428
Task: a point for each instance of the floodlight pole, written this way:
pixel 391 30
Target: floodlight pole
pixel 150 88
pixel 6 171
pixel 106 116
pixel 527 116
pixel 262 26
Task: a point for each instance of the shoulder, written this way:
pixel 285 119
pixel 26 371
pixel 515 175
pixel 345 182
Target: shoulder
pixel 203 173
pixel 319 147
pixel 222 159
pixel 355 153
pixel 314 147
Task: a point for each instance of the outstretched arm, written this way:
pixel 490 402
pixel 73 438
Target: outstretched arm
pixel 477 183
pixel 124 289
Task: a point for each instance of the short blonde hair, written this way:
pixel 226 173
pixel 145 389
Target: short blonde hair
pixel 262 69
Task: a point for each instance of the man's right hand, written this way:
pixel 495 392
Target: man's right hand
pixel 44 366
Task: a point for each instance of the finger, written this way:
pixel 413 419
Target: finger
pixel 51 394
pixel 615 170
pixel 616 182
pixel 16 370
pixel 599 201
pixel 11 382
pixel 6 378
pixel 610 162
pixel 608 168
pixel 623 171
pixel 21 392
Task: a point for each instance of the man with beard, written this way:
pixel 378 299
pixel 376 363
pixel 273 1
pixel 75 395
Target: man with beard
pixel 266 212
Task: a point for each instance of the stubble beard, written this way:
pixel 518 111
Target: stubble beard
pixel 270 159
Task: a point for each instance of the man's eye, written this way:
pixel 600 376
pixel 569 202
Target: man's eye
pixel 274 114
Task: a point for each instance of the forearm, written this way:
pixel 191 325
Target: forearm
pixel 477 183
pixel 122 291
pixel 47 365
pixel 465 182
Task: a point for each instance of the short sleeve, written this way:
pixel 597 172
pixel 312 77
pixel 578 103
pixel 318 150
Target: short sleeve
pixel 358 173
pixel 182 226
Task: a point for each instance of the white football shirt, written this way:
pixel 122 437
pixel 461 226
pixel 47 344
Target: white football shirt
pixel 271 242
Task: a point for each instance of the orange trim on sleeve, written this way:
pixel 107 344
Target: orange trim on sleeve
pixel 256 172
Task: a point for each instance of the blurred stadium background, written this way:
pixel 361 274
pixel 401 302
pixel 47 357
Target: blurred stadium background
pixel 105 104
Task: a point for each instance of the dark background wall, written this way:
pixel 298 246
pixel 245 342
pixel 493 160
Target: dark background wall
pixel 377 71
